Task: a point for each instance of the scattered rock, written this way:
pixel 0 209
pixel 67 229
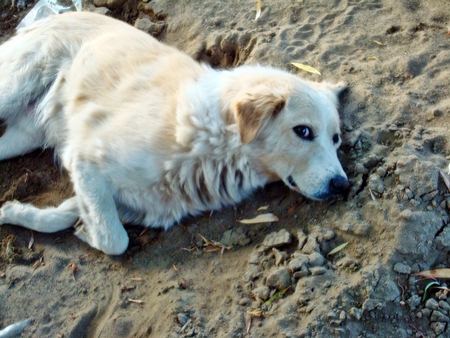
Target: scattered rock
pixel 438 327
pixel 310 246
pixel 148 26
pixel 277 239
pixel 316 259
pixel 438 316
pixel 432 304
pixel 111 4
pixel 298 263
pixel 235 237
pixel 182 318
pixel 253 272
pixel 402 268
pixel 280 256
pixel 279 279
pixel 318 270
pixel 262 292
pixel 245 301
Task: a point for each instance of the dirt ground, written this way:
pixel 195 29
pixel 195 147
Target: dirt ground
pixel 395 55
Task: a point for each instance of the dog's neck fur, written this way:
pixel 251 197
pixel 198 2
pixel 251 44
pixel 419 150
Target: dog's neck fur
pixel 212 167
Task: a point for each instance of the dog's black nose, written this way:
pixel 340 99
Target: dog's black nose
pixel 339 185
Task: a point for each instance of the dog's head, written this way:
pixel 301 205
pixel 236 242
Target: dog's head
pixel 291 129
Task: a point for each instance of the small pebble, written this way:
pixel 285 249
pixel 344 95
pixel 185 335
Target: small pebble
pixel 182 318
pixel 318 270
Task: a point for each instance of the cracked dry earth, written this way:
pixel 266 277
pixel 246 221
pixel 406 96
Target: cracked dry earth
pixel 395 55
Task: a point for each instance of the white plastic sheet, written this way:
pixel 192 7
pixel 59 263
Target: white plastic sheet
pixel 45 8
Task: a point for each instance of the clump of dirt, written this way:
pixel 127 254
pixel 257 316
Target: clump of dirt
pixel 278 279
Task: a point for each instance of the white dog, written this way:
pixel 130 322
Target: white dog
pixel 148 135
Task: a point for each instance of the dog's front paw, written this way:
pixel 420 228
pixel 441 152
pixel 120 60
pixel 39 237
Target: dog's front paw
pixel 112 244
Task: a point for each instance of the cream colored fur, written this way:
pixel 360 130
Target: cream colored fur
pixel 148 134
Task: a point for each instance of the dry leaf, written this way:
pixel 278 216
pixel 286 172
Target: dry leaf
pixel 372 58
pixel 248 322
pixel 434 274
pixel 338 248
pixel 264 218
pixel 379 43
pixel 255 313
pixel 31 242
pixel 258 10
pixel 306 68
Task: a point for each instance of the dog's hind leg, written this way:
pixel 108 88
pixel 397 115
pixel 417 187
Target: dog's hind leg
pixel 101 228
pixel 50 219
pixel 21 136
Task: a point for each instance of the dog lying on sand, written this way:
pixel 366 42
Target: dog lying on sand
pixel 149 135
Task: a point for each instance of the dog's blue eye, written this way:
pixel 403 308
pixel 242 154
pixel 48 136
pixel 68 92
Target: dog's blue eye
pixel 303 132
pixel 335 138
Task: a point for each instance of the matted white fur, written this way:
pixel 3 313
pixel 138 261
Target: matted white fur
pixel 149 135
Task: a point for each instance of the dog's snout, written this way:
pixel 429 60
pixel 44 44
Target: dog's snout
pixel 339 185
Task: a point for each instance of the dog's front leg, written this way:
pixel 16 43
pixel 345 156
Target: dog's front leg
pixel 102 228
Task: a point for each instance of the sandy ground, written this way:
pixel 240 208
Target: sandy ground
pixel 395 55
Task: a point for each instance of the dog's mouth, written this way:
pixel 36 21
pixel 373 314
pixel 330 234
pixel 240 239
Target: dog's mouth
pixel 291 181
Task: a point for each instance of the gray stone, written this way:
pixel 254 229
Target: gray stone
pixel 328 235
pixel 438 327
pixel 355 313
pixel 280 256
pixel 279 279
pixel 443 240
pixel 318 270
pixel 148 26
pixel 182 318
pixel 254 258
pixel 296 264
pixel 310 246
pixel 300 274
pixel 438 316
pixel 316 259
pixel 253 272
pixel 376 184
pixel 432 304
pixel 414 301
pixel 402 268
pixel 235 237
pixel 277 239
pixel 245 301
pixel 301 239
pixel 421 177
pixel 111 4
pixel 444 306
pixel 261 292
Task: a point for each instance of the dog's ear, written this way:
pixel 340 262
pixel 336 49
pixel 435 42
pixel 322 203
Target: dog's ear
pixel 337 88
pixel 255 107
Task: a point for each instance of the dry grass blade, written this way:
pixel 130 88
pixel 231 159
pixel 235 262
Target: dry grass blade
pixel 426 289
pixel 306 68
pixel 216 246
pixel 258 9
pixel 434 274
pixel 265 207
pixel 255 313
pixel 372 58
pixel 337 249
pixel 379 43
pixel 446 179
pixel 264 218
pixel 137 279
pixel 276 296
